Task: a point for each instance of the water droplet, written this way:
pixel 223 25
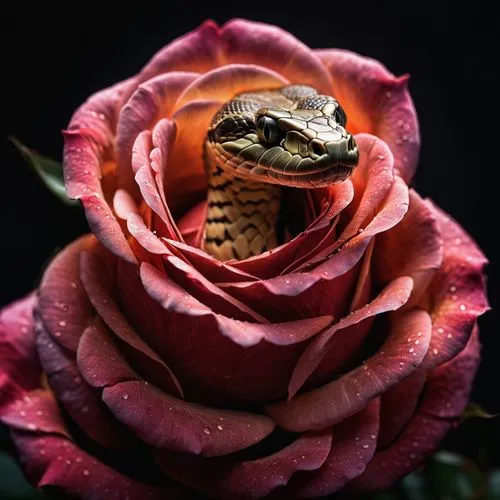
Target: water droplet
pixel 412 455
pixel 287 282
pixel 458 241
pixel 380 157
pixel 32 427
pixel 62 323
pixel 42 452
pixel 357 438
pixel 417 342
pixel 207 431
pixel 388 95
pixel 68 462
pixel 435 351
pixel 440 330
pixel 450 335
pixel 85 409
pixel 454 297
pixel 411 349
pixel 373 436
pixel 86 472
pixel 24 329
pixel 360 230
pixel 39 413
pixel 219 427
pixel 462 307
pixel 365 446
pixel 453 289
pixel 401 363
pixel 22 413
pixel 73 285
pixel 78 460
pixel 125 396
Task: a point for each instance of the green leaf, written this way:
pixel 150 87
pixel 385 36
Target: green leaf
pixel 49 171
pixel 13 486
pixel 473 410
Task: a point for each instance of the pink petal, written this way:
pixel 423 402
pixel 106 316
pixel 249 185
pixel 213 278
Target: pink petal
pixel 222 84
pixel 97 274
pixel 353 446
pixel 377 102
pixel 422 435
pixel 192 223
pixel 152 100
pixel 78 399
pixel 185 427
pixel 251 42
pixel 124 204
pixel 231 479
pixel 63 305
pixel 412 248
pixel 19 365
pixel 88 144
pixel 36 412
pixel 457 294
pixel 196 51
pixel 57 463
pixel 390 299
pixel 347 395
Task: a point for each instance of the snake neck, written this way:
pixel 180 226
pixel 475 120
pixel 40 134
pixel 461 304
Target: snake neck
pixel 242 216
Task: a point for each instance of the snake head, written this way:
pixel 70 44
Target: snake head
pixel 306 145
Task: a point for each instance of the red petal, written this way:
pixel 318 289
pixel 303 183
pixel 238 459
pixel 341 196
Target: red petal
pixel 352 449
pixel 347 395
pixel 412 248
pixel 185 427
pixel 55 462
pixel 229 479
pixel 63 305
pixel 19 365
pixel 457 294
pixel 390 299
pixel 422 435
pixel 376 102
pixel 98 274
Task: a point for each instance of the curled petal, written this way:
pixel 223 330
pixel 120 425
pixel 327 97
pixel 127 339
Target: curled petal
pixel 55 462
pixel 19 365
pixel 152 100
pixel 457 294
pixel 376 102
pixel 398 357
pixel 228 479
pixel 390 299
pixel 437 413
pixel 185 427
pixel 354 443
pixel 222 84
pixel 412 248
pixel 63 305
pixel 251 42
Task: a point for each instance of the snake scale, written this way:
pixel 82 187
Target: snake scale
pixel 257 144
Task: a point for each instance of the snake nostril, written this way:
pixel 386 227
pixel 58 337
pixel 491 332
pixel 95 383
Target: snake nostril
pixel 317 148
pixel 351 143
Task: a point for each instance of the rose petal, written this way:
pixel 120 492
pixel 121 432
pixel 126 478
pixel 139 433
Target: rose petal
pixel 252 478
pixel 76 396
pixel 251 42
pixel 457 294
pixel 376 102
pixel 390 299
pixel 412 248
pixel 63 305
pixel 152 100
pixel 19 365
pixel 352 449
pixel 97 274
pixel 185 427
pixel 422 435
pixel 192 223
pixel 57 463
pixel 88 144
pixel 347 395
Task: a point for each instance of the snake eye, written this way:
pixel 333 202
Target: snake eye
pixel 340 117
pixel 268 130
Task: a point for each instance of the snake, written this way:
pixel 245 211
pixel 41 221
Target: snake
pixel 257 145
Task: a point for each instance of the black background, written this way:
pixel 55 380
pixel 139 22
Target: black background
pixel 53 60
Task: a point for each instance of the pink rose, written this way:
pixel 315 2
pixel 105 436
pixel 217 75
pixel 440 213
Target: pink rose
pixel 337 360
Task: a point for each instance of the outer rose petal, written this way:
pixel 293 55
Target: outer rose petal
pixel 437 413
pixel 19 364
pixel 376 102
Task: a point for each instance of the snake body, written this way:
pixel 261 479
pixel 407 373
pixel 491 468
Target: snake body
pixel 257 144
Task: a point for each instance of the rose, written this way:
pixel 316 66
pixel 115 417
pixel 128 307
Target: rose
pixel 139 347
